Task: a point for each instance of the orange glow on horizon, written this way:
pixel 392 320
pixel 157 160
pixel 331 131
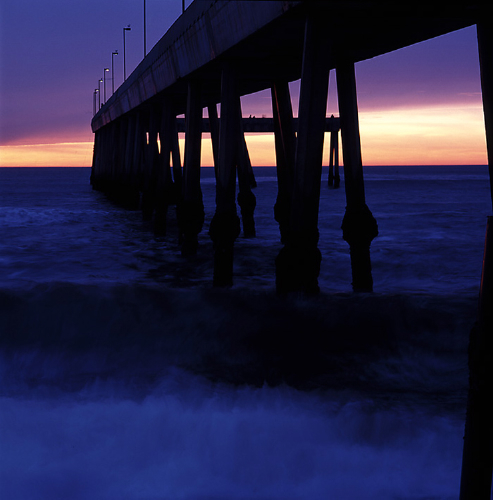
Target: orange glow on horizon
pixel 442 135
pixel 58 154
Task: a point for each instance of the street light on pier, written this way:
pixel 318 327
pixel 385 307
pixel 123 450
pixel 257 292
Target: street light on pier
pixel 100 81
pixel 125 29
pixel 114 53
pixel 94 101
pixel 104 86
pixel 96 91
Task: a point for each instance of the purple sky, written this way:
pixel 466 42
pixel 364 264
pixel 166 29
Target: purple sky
pixel 54 52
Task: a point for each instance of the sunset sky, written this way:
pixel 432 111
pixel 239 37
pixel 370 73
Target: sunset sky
pixel 419 105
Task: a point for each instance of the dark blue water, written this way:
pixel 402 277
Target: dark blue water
pixel 124 374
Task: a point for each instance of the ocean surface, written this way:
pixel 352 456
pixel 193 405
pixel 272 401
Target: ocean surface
pixel 125 375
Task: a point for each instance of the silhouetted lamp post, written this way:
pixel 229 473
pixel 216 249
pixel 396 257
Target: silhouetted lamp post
pixel 100 81
pixel 96 91
pixel 115 53
pixel 104 86
pixel 145 48
pixel 127 28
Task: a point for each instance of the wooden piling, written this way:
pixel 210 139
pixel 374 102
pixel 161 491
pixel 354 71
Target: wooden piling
pixel 298 263
pixel 225 225
pixel 359 227
pixel 191 209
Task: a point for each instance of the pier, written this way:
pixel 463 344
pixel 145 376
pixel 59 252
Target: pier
pixel 220 50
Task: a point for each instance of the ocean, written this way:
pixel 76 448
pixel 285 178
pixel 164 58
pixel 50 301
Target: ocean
pixel 125 375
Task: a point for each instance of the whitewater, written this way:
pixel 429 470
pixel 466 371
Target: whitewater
pixel 125 375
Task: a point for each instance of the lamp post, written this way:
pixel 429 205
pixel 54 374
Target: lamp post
pixel 182 6
pixel 114 53
pixel 96 91
pixel 104 86
pixel 127 28
pixel 100 81
pixel 145 48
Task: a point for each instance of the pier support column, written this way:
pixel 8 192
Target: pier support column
pixel 214 127
pixel 135 172
pixel 129 147
pixel 477 457
pixel 485 46
pixel 477 453
pixel 119 162
pixel 107 140
pixel 150 165
pixel 298 263
pixel 110 144
pixel 246 181
pixel 176 159
pixel 163 179
pixel 95 174
pixel 334 177
pixel 225 225
pixel 359 227
pixel 285 144
pixel 103 174
pixel 191 209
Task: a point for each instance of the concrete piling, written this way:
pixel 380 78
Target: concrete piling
pixel 359 227
pixel 214 128
pixel 298 263
pixel 246 181
pixel 191 208
pixel 477 457
pixel 150 165
pixel 285 144
pixel 334 179
pixel 127 166
pixel 162 178
pixel 176 159
pixel 225 225
pixel 94 179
